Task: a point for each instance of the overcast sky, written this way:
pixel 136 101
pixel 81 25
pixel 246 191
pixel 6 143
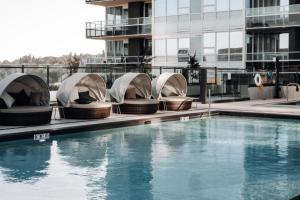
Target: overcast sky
pixel 46 28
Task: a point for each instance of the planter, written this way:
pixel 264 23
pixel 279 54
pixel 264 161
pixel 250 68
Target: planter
pixel 265 92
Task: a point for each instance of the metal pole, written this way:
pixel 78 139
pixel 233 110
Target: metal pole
pixel 209 103
pixel 277 89
pixel 48 75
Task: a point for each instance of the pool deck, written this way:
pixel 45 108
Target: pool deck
pixel 63 126
pixel 257 108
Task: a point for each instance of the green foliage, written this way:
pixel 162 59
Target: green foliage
pixel 193 62
pixel 72 62
pixel 194 66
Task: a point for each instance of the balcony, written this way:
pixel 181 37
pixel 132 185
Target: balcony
pixel 268 56
pixel 273 17
pixel 119 60
pixel 109 2
pixel 132 27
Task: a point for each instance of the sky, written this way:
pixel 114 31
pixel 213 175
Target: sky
pixel 47 28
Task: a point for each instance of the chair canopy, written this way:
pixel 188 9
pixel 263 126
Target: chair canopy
pixel 141 83
pixel 17 82
pixel 81 82
pixel 169 84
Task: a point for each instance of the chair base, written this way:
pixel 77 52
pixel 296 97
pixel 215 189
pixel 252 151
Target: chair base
pixel 135 108
pixel 25 119
pixel 84 113
pixel 175 105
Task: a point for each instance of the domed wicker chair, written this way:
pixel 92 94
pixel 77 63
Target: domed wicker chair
pixel 132 94
pixel 91 85
pixel 170 89
pixel 25 100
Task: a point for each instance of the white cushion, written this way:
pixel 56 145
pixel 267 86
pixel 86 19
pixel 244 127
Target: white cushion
pixel 141 101
pixel 9 100
pixel 169 91
pixel 91 105
pixel 177 99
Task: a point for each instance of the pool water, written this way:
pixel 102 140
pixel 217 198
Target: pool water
pixel 222 158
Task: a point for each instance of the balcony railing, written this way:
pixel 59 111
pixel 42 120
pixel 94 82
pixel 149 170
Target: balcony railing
pixel 268 56
pixel 274 16
pixel 126 27
pixel 103 2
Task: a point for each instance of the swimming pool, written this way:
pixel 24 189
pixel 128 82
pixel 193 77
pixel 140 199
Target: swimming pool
pixel 222 158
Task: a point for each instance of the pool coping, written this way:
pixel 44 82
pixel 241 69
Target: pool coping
pixel 256 114
pixel 103 124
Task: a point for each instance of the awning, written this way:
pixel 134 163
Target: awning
pixel 17 82
pixel 139 81
pixel 169 84
pixel 81 82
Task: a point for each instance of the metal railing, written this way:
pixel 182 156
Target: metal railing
pixel 269 56
pixel 125 27
pixel 224 83
pixel 98 1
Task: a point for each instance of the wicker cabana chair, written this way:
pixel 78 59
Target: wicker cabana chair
pixel 132 94
pixel 24 100
pixel 69 97
pixel 170 89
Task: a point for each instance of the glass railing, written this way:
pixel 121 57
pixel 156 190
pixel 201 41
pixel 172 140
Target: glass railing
pixel 131 26
pixel 275 16
pixel 273 10
pixel 269 56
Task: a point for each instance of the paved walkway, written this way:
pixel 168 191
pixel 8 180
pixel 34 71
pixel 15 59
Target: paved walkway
pixel 274 107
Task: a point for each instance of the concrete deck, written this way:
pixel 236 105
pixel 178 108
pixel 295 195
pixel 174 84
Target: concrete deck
pixel 258 108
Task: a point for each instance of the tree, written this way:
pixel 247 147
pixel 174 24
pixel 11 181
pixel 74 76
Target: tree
pixel 72 62
pixel 193 67
pixel 193 62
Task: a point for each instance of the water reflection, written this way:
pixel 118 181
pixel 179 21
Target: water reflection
pixel 88 153
pixel 274 157
pixel 85 150
pixel 129 172
pixel 26 161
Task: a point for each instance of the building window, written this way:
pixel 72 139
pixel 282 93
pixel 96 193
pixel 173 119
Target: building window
pixel 209 6
pixel 284 42
pixel 236 46
pixel 160 48
pixel 223 46
pixel 196 6
pixel 172 7
pixel 184 43
pixel 236 5
pixel 236 42
pixel 183 6
pixel 172 47
pixel 222 5
pixel 209 43
pixel 160 8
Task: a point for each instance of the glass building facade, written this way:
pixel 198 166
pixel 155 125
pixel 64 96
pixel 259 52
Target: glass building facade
pixel 245 34
pixel 211 29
